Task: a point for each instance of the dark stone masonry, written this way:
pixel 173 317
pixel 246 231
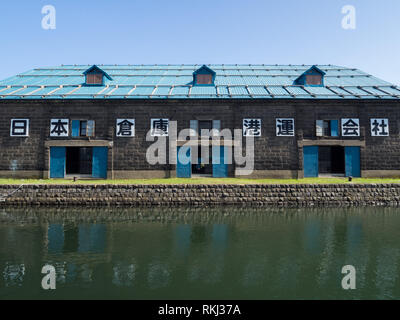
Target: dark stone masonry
pixel 306 121
pixel 280 157
pixel 268 195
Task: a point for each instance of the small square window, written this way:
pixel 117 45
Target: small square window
pixel 205 124
pixel 90 128
pixel 327 128
pixel 204 79
pixel 82 128
pixel 312 79
pixel 94 78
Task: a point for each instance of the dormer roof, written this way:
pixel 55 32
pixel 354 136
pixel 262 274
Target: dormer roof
pixel 203 70
pixel 313 71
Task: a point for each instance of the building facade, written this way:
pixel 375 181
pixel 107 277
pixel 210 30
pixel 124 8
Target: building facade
pixel 102 121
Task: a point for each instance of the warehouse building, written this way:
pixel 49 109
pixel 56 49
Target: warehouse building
pixel 94 121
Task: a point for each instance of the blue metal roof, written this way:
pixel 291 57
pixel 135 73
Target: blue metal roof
pixel 176 81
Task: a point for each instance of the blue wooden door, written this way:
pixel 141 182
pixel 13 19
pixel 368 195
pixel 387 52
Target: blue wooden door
pixel 219 167
pixel 99 164
pixel 310 161
pixel 57 162
pixel 183 162
pixel 352 161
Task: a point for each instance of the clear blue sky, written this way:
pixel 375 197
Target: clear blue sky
pixel 207 31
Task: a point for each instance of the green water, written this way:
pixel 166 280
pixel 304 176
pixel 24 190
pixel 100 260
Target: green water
pixel 188 253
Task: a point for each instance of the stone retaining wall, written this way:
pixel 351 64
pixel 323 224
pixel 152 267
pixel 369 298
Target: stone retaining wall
pixel 332 195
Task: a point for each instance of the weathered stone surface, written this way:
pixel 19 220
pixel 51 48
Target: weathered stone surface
pixel 202 195
pixel 29 156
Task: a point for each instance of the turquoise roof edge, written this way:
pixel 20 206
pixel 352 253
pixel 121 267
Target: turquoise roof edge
pixel 176 81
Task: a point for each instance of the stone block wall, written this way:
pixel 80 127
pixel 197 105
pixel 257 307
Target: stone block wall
pixel 280 154
pixel 300 195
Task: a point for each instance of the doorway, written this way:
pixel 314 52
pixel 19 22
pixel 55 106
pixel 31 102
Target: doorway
pixel 203 165
pixel 79 160
pixel 331 160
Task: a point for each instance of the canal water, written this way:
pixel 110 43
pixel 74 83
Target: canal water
pixel 187 253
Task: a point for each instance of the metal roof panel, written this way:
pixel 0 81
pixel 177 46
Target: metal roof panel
pixel 237 77
pixel 259 91
pixel 278 91
pixel 238 90
pixel 203 90
pixel 180 90
pixel 162 91
pixel 321 91
pixel 297 91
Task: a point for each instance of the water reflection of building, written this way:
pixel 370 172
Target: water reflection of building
pixel 124 274
pixel 64 238
pixel 92 238
pixel 219 236
pixel 19 247
pixel 185 235
pixel 55 236
pixel 13 274
pixel 312 235
pixel 182 234
pixel 75 250
pixel 209 243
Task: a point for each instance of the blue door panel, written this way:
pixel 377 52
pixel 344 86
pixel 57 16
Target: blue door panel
pixel 57 162
pixel 219 167
pixel 183 162
pixel 310 161
pixel 99 164
pixel 334 128
pixel 352 161
pixel 75 128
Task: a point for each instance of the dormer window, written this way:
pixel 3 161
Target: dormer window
pixel 312 77
pixel 94 76
pixel 204 79
pixel 204 76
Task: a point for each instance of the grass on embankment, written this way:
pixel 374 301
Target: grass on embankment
pixel 201 181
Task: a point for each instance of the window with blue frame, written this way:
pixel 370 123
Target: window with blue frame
pixel 327 128
pixel 83 128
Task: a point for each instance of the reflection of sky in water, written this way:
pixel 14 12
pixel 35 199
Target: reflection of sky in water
pixel 266 256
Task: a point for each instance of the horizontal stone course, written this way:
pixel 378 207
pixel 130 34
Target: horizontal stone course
pixel 300 195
